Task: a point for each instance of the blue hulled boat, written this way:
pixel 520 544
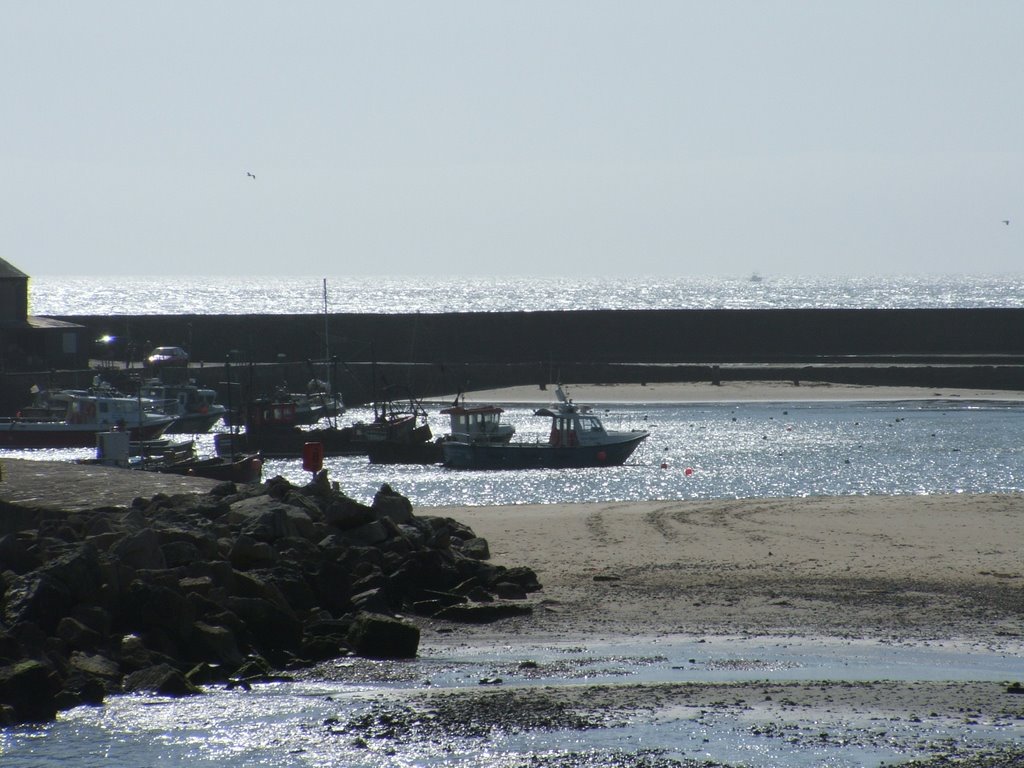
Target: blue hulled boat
pixel 577 439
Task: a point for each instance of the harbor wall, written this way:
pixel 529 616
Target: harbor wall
pixel 430 355
pixel 605 336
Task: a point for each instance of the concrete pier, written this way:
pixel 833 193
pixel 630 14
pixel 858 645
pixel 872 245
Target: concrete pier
pixel 68 487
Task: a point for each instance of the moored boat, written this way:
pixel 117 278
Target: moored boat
pixel 577 438
pixel 472 423
pixel 477 423
pixel 114 449
pixel 273 430
pixel 246 469
pixel 86 414
pixel 195 409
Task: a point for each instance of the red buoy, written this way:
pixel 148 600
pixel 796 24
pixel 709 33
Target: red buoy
pixel 688 471
pixel 313 457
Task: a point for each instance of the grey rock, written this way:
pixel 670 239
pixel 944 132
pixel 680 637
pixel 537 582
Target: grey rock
pixel 29 690
pixel 162 679
pixel 141 550
pixel 383 637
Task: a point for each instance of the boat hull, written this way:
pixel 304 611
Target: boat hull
pixel 396 452
pixel 538 455
pixel 194 423
pixel 26 434
pixel 289 443
pixel 245 470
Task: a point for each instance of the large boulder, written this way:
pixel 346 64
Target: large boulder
pixel 387 503
pixel 248 553
pixel 17 555
pixel 267 519
pixel 38 598
pixel 150 606
pixel 215 644
pixel 273 629
pixel 141 550
pixel 343 513
pixel 376 636
pixel 28 691
pixel 162 679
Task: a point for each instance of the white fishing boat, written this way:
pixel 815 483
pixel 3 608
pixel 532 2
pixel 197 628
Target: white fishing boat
pixel 86 413
pixel 577 438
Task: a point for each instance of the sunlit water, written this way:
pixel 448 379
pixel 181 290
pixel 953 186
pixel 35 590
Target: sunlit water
pixel 303 724
pixel 304 295
pixel 739 450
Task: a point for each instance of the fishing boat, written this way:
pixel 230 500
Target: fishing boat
pixel 86 413
pixel 195 409
pixel 473 423
pixel 477 423
pixel 274 430
pixel 247 469
pixel 577 439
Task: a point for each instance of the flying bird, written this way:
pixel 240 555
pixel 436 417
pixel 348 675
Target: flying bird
pixel 250 174
pixel 1005 221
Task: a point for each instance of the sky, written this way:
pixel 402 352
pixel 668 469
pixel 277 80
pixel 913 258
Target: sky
pixel 582 137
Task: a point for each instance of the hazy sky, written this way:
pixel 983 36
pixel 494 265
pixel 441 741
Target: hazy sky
pixel 605 138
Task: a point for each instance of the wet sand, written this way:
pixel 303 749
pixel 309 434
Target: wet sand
pixel 927 571
pixel 906 568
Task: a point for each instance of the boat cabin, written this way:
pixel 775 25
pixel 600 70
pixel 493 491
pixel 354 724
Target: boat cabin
pixel 108 411
pixel 473 423
pixel 179 400
pixel 266 413
pixel 572 429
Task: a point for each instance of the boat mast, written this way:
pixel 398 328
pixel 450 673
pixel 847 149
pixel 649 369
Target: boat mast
pixel 327 345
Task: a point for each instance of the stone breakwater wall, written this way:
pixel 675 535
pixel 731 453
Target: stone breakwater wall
pixel 430 355
pixel 233 587
pixel 721 336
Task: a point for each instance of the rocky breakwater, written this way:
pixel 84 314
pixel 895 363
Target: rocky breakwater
pixel 232 587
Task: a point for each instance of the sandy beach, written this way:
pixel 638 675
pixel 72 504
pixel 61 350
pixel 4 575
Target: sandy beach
pixel 902 568
pixel 730 391
pixel 910 571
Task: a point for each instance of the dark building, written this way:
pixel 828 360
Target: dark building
pixel 30 343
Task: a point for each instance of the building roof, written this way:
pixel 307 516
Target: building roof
pixel 9 270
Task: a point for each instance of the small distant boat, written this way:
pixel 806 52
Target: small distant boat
pixel 756 278
pixel 114 449
pixel 195 409
pixel 577 439
pixel 84 415
pixel 306 408
pixel 246 469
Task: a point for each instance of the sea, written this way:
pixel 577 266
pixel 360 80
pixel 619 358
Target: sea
pixel 945 444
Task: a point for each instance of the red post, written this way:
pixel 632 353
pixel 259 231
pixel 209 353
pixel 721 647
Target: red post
pixel 313 457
